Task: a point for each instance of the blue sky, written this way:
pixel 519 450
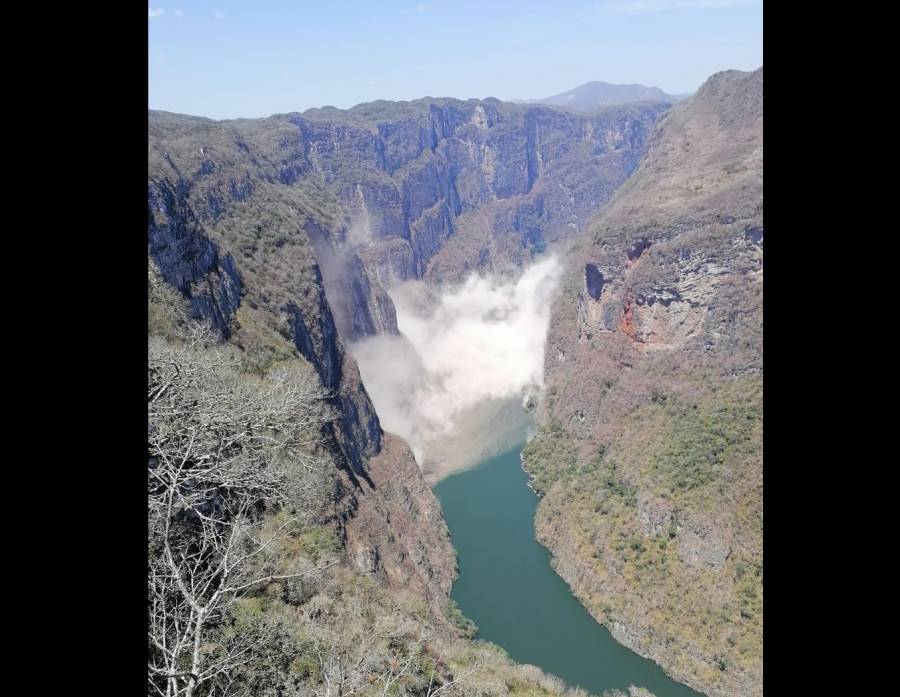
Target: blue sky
pixel 234 58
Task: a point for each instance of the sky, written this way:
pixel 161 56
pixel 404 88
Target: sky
pixel 250 58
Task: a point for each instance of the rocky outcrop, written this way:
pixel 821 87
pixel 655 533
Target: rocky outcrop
pixel 707 548
pixel 656 516
pixel 391 261
pixel 698 545
pixel 428 236
pixel 189 260
pixel 361 305
pixel 316 338
pixel 315 335
pixel 360 431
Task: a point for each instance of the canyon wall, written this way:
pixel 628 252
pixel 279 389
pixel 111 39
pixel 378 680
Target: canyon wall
pixel 649 457
pixel 283 233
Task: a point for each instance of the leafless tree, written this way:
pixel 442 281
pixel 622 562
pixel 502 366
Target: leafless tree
pixel 232 470
pixel 375 656
pixel 358 667
pixel 454 685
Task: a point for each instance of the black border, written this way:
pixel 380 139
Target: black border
pixel 92 124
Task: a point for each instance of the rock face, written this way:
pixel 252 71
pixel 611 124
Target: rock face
pixel 654 399
pixel 387 191
pixel 186 252
pixel 188 260
pixel 414 551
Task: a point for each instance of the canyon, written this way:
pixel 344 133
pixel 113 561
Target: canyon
pixel 289 235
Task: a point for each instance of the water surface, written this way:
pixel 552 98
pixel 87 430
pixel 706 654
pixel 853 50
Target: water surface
pixel 508 588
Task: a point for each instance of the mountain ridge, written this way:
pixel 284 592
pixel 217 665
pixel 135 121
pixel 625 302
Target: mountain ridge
pixel 597 94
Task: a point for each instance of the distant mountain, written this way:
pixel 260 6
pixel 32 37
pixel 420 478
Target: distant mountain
pixel 594 95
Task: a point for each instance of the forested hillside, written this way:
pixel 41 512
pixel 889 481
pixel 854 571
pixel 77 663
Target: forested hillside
pixel 649 457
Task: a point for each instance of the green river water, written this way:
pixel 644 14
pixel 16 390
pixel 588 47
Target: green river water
pixel 508 588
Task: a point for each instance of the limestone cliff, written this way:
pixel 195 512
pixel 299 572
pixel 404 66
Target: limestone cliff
pixel 278 311
pixel 391 191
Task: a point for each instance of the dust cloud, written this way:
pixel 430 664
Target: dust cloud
pixel 454 383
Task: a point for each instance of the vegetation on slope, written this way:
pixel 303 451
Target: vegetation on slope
pixel 649 458
pixel 627 510
pixel 250 589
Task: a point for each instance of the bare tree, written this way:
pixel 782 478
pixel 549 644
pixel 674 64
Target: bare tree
pixel 358 667
pixel 376 655
pixel 225 452
pixel 454 685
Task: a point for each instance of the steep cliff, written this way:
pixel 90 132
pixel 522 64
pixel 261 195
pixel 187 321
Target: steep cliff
pixel 391 191
pixel 273 306
pixel 649 457
pixel 189 260
pixel 415 551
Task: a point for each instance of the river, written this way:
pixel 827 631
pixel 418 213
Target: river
pixel 508 588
